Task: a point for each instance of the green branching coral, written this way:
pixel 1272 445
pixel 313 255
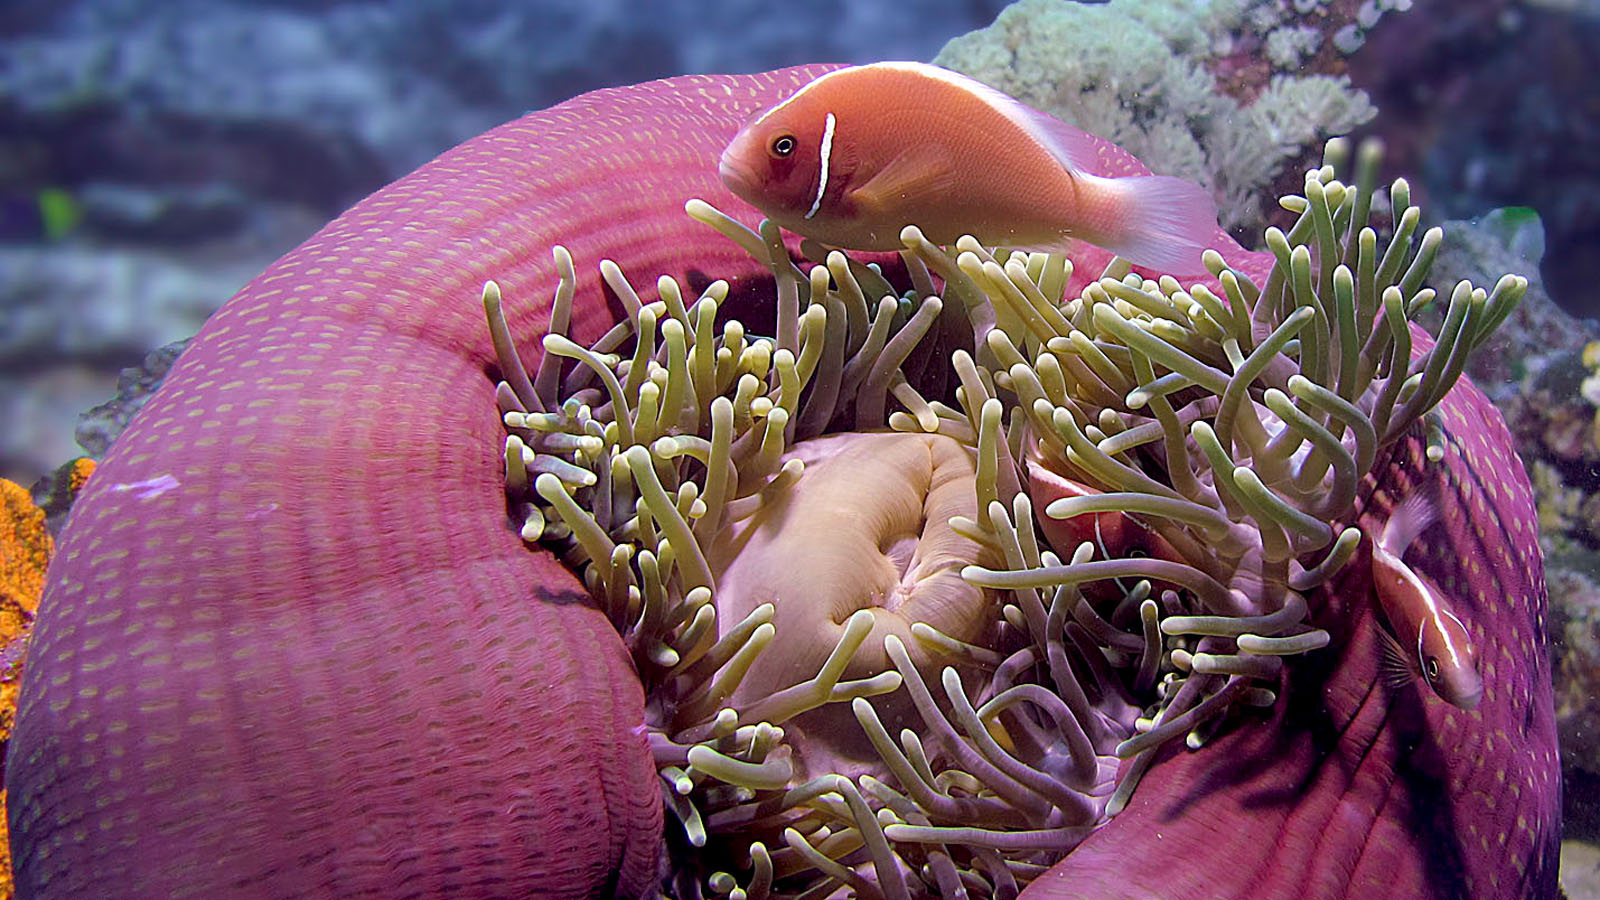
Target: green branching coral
pixel 1136 72
pixel 1232 426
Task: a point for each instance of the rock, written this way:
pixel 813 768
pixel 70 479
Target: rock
pixel 1575 625
pixel 1580 869
pixel 178 213
pixel 39 409
pixel 76 303
pixel 98 427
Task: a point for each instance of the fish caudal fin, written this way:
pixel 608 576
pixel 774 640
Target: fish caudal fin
pixel 1156 221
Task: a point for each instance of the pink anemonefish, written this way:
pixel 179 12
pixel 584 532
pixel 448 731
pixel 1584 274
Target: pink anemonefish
pixel 858 154
pixel 1445 654
pixel 1114 534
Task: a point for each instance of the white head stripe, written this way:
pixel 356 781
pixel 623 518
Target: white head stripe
pixel 822 177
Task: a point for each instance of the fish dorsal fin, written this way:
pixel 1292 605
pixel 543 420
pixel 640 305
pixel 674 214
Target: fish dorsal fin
pixel 1077 149
pixel 1407 522
pixel 921 169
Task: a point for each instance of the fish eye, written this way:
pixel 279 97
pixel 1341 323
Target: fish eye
pixel 1433 668
pixel 783 145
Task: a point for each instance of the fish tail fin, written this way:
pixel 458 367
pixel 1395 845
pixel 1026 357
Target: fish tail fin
pixel 1156 221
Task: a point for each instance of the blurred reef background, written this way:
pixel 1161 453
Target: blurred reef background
pixel 154 156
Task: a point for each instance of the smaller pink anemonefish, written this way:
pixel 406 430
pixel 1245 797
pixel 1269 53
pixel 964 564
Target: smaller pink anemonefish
pixel 1113 534
pixel 1445 656
pixel 861 152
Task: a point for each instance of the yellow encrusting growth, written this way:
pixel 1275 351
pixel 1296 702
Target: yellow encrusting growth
pixel 78 474
pixel 25 550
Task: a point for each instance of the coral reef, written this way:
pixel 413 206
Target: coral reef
pixel 1457 84
pixel 26 545
pixel 1222 93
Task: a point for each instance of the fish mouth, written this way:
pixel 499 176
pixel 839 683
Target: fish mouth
pixel 737 177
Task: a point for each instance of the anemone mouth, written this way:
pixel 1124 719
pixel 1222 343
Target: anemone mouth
pixel 865 672
pixel 867 529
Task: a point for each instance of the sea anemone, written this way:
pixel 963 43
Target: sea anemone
pixel 795 568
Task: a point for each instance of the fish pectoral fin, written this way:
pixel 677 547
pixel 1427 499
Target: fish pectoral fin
pixel 1396 667
pixel 918 171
